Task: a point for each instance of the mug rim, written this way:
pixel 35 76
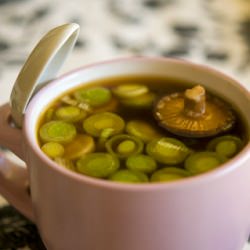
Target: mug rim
pixel 224 169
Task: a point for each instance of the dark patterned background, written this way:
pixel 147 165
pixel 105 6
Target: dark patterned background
pixel 212 32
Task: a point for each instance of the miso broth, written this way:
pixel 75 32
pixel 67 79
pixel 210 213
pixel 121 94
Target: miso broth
pixel 108 129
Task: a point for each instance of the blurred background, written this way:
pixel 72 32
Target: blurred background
pixel 211 32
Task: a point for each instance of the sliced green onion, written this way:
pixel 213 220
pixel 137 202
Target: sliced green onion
pixel 81 145
pixel 227 145
pixel 129 176
pixel 130 90
pixel 168 150
pixel 70 113
pixel 201 162
pixel 169 174
pixel 124 145
pixel 140 102
pixel 97 123
pixel 57 131
pixel 95 97
pixel 143 130
pixel 53 149
pixel 100 165
pixel 142 163
pixel 111 106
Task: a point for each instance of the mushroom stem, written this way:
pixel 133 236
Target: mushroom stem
pixel 195 101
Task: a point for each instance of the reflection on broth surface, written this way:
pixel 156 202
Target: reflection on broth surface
pixel 117 129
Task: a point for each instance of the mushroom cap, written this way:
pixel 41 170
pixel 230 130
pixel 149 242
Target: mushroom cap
pixel 215 117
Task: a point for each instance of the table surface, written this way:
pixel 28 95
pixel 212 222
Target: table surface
pixel 215 33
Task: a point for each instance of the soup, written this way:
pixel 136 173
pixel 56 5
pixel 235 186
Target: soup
pixel 140 129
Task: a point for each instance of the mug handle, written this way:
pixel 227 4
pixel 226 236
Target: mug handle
pixel 13 178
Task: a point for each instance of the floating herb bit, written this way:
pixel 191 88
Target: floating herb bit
pixel 227 145
pixel 70 113
pixel 95 124
pixel 124 145
pixel 142 163
pixel 169 174
pixel 95 97
pixel 49 114
pixel 53 149
pixel 80 145
pixel 69 100
pixel 57 131
pixel 129 176
pixel 100 165
pixel 168 150
pixel 143 130
pixel 201 162
pixel 85 107
pixel 125 91
pixel 194 114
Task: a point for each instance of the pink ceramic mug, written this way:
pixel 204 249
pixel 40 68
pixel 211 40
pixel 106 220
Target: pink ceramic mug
pixel 207 212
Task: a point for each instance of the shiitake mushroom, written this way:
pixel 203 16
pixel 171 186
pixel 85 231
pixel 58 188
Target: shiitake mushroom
pixel 194 114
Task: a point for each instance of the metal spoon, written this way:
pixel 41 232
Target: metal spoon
pixel 41 66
